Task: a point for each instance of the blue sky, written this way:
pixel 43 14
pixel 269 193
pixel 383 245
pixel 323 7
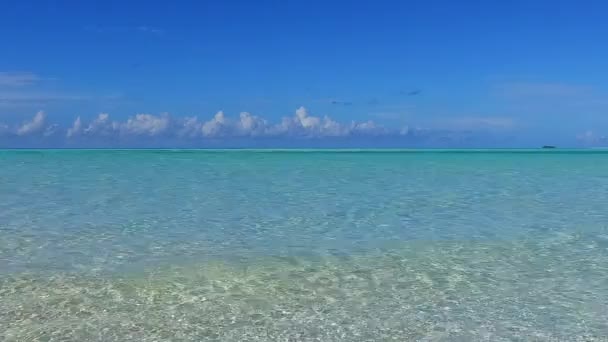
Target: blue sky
pixel 382 73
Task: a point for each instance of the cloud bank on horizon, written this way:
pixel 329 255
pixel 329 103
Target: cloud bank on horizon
pixel 442 128
pixel 165 129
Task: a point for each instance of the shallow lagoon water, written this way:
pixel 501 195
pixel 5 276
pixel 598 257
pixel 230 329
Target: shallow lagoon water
pixel 148 245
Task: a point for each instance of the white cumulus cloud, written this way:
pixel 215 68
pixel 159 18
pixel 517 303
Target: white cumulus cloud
pixel 146 124
pixel 36 125
pixel 305 120
pixel 304 124
pixel 76 128
pixel 221 127
pixel 251 125
pixel 216 127
pixel 247 125
pixel 301 124
pixel 188 127
pixel 102 126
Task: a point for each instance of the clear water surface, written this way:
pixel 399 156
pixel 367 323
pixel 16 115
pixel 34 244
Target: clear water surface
pixel 190 245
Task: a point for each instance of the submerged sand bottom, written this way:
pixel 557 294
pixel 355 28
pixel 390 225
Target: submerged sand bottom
pixel 426 291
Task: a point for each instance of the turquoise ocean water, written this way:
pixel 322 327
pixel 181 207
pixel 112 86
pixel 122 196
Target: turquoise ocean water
pixel 151 245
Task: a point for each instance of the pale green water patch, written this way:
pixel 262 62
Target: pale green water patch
pixel 430 291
